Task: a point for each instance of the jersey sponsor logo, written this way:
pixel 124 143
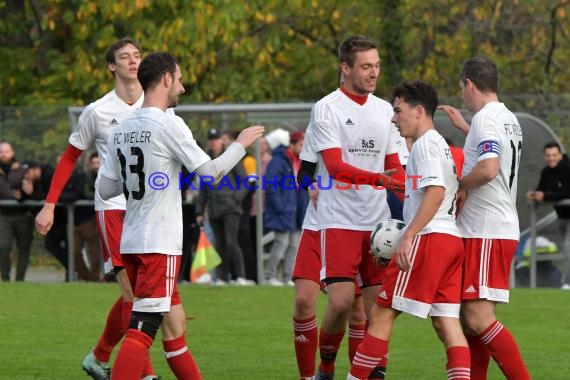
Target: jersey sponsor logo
pixel 470 289
pixel 488 146
pixel 349 122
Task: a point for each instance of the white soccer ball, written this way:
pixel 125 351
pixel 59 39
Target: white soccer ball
pixel 385 238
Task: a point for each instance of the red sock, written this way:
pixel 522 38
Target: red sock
pixel 505 351
pixel 355 336
pixel 368 357
pixel 328 346
pixel 306 343
pixel 148 370
pixel 458 363
pixel 480 357
pixel 131 357
pixel 180 359
pixel 112 333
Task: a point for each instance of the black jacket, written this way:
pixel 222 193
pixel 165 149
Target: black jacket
pixel 555 183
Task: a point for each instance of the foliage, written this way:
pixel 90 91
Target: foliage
pixel 274 50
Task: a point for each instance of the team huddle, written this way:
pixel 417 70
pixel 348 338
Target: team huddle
pixel 452 262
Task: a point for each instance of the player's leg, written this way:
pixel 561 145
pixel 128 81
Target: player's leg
pixel 356 323
pixel 306 270
pixel 154 286
pixel 486 282
pixel 374 347
pixel 450 332
pixel 276 254
pixel 341 258
pixel 6 241
pixel 176 351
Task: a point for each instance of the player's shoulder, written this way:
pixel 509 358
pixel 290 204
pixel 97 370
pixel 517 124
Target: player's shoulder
pixel 329 99
pixel 380 102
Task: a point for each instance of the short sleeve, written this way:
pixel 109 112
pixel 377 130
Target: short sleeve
pixel 308 153
pixel 429 165
pixel 325 133
pixel 487 138
pixel 84 133
pixel 182 145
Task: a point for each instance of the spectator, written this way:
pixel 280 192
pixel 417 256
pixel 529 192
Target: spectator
pixel 16 223
pixel 224 212
pixel 282 203
pixel 85 229
pixel 245 240
pixel 190 229
pixel 554 186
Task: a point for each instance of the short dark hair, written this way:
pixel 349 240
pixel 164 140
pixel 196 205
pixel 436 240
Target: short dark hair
pixel 93 155
pixel 417 93
pixel 153 67
pixel 552 145
pixel 482 72
pixel 352 45
pixel 110 54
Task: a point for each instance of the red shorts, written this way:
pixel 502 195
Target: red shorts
pixel 487 268
pixel 308 260
pixel 346 254
pixel 154 277
pixel 433 285
pixel 110 227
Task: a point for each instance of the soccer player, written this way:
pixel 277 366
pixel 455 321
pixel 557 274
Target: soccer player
pixel 149 144
pixel 487 217
pixel 96 121
pixel 424 275
pixel 356 142
pixel 306 275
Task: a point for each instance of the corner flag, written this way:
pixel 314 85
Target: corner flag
pixel 205 259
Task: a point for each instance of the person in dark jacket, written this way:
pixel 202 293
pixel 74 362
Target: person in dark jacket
pixel 554 186
pixel 224 209
pixel 285 204
pixel 16 222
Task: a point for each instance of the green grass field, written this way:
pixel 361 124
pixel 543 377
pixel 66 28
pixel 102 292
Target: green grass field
pixel 245 333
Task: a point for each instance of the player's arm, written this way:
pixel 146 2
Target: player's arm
pixel 306 174
pixel 392 163
pixel 222 165
pixel 64 169
pixel 432 200
pixel 344 172
pixel 455 117
pixel 484 172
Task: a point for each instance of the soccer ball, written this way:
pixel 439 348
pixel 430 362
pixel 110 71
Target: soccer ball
pixel 385 238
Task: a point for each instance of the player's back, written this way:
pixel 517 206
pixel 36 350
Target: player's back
pixel 431 164
pixel 146 145
pixel 490 210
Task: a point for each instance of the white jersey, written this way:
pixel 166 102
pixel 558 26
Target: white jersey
pixel 309 154
pixel 93 127
pixel 431 164
pixel 365 135
pixel 150 148
pixel 490 210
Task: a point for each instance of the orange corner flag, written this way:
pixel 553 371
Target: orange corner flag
pixel 205 259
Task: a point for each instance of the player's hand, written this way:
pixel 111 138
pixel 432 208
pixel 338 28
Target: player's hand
pixel 44 219
pixel 460 200
pixel 402 254
pixel 314 195
pixel 455 117
pixel 200 220
pixel 249 135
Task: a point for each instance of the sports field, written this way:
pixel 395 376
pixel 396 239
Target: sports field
pixel 245 333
